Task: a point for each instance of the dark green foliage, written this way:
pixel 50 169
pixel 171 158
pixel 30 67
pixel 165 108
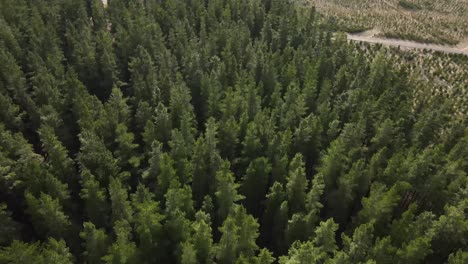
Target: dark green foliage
pixel 96 208
pixel 226 191
pixel 255 184
pixel 95 243
pixel 54 251
pixel 202 238
pixel 297 184
pixel 239 232
pixel 47 216
pixel 211 131
pixel 8 228
pixel 120 205
pixel 408 5
pixel 123 250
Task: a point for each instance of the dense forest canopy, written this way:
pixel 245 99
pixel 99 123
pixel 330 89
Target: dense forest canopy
pixel 216 131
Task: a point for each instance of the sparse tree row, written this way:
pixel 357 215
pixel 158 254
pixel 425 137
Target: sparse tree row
pixel 215 131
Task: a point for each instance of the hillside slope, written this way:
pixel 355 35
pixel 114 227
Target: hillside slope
pixel 442 21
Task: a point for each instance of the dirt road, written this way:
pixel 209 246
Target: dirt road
pixel 370 37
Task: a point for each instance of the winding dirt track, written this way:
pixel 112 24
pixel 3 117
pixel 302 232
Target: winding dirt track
pixel 369 36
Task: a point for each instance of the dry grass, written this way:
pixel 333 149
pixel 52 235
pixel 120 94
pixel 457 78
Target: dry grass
pixel 441 21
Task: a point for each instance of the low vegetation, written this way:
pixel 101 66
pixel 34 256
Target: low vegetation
pixel 436 74
pixel 442 21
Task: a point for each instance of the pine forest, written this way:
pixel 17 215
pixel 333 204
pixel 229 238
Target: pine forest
pixel 220 131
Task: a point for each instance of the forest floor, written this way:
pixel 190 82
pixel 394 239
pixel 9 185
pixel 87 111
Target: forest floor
pixel 372 36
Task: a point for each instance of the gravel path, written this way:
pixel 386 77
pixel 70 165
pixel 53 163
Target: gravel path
pixel 369 36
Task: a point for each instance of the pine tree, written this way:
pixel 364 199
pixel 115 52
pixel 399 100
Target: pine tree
pixel 379 206
pixel 313 204
pixel 106 63
pixel 301 253
pixel 20 252
pixel 121 209
pixel 296 229
pixel 202 239
pixel 351 186
pixel 239 232
pixel 10 113
pixel 154 159
pixel 211 89
pixel 307 140
pixel 179 198
pixel 325 237
pixel 226 191
pixel 166 176
pixel 95 242
pixel 54 251
pixel 255 184
pixel 97 158
pixel 126 154
pixel 251 146
pixel 159 128
pixel 180 153
pixel 275 218
pixel 81 49
pixel 383 251
pixel 61 165
pixel 123 250
pixel 458 257
pixel 310 86
pixel 8 228
pixel 297 185
pixel 180 103
pixel 177 225
pixel 205 163
pixel 116 112
pixel 227 247
pixel 264 257
pixel 228 135
pixel 357 248
pixel 148 227
pixel 143 77
pixel 96 206
pixel 188 254
pixel 47 216
pixel 13 81
pixel 450 230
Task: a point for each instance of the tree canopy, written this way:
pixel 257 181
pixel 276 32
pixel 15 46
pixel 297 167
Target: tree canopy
pixel 212 131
